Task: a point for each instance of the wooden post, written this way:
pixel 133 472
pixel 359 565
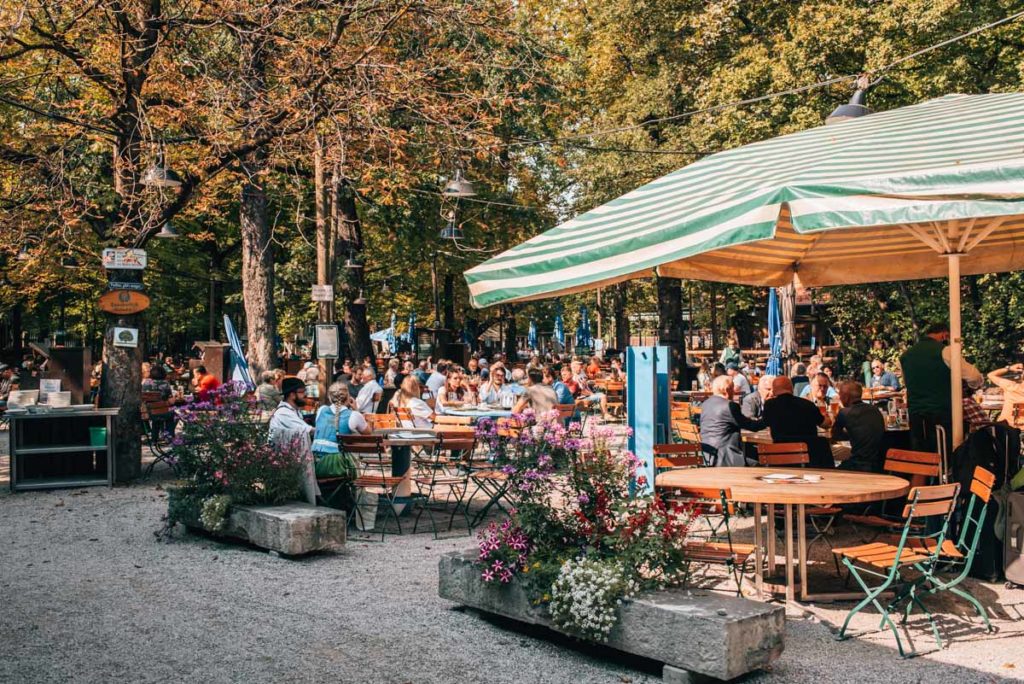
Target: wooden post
pixel 324 250
pixel 955 350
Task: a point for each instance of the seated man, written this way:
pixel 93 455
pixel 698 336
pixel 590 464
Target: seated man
pixel 753 403
pixel 739 380
pixel 793 419
pixel 563 387
pixel 267 393
pixel 537 396
pixel 819 390
pixel 7 381
pixel 881 377
pixel 864 426
pixel 798 375
pixel 721 423
pixel 584 393
pixel 369 394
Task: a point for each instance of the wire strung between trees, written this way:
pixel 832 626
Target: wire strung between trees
pixel 761 98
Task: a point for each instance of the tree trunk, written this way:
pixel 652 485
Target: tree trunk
pixel 257 248
pixel 511 349
pixel 670 323
pixel 324 251
pixel 621 316
pixel 356 325
pixel 449 301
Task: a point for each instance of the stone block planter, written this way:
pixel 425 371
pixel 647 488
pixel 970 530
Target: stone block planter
pixel 291 529
pixel 707 634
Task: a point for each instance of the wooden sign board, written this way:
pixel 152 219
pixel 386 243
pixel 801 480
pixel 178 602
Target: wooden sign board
pixel 323 293
pixel 126 337
pixel 124 258
pixel 123 302
pixel 327 342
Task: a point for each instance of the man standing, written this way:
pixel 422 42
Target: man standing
pixel 864 426
pixel 369 393
pixel 793 419
pixel 721 423
pixel 753 403
pixel 926 375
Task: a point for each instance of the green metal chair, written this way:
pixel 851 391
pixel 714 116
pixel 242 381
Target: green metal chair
pixel 886 561
pixel 955 556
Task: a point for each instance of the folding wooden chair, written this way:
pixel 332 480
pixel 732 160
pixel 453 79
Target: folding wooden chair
pixel 493 481
pixel 404 417
pixel 917 466
pixel 956 556
pixel 157 428
pixel 446 472
pixel 374 474
pixel 796 454
pixel 885 561
pixel 677 456
pixel 381 421
pixel 615 390
pixel 440 419
pixel 734 556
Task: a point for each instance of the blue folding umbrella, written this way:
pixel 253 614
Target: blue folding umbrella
pixel 559 328
pixel 411 335
pixel 531 340
pixel 774 334
pixel 240 367
pixel 585 325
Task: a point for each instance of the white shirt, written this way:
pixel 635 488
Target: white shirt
pixel 286 422
pixel 421 414
pixel 968 372
pixel 740 382
pixel 365 399
pixel 435 382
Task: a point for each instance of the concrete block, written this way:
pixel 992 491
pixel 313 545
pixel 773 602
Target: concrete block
pixel 292 528
pixel 699 632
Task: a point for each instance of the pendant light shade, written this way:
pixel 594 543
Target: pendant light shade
pixel 159 176
pixel 459 187
pixel 168 232
pixel 854 109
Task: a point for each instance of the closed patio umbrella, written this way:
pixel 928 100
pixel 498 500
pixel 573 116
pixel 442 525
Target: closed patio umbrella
pixel 930 190
pixel 774 366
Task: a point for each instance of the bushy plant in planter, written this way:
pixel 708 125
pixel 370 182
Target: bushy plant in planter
pixel 579 537
pixel 223 458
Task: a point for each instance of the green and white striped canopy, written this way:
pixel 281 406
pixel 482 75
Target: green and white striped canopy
pixel 871 199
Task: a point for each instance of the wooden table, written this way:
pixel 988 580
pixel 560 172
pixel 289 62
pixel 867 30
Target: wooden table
pixel 745 485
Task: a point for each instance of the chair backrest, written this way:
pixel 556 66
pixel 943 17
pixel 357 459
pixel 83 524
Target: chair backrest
pixel 686 431
pixel 565 411
pixel 681 411
pixel 672 456
pixel 614 388
pixel 452 420
pixel 363 444
pixel 720 496
pixel 783 454
pixel 404 416
pixel 919 465
pixel 924 502
pixel 457 441
pixel 508 427
pixel 381 421
pixel 982 482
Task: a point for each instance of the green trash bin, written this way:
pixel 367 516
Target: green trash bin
pixel 98 437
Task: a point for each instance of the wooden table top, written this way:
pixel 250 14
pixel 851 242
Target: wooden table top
pixel 836 486
pixel 407 436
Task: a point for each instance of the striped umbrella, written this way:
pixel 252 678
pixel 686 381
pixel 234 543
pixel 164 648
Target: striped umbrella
pixel 924 191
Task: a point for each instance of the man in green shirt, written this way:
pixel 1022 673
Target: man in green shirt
pixel 926 376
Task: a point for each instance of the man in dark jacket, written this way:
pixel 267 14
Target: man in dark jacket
pixel 721 422
pixel 864 426
pixel 793 419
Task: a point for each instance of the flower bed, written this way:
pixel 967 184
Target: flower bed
pixel 579 540
pixel 223 459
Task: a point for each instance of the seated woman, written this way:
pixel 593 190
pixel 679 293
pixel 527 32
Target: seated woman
pixel 408 397
pixel 337 418
pixel 453 392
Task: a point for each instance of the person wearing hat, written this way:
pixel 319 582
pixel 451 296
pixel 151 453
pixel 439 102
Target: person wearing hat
pixel 287 418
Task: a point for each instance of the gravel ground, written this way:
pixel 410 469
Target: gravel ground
pixel 89 594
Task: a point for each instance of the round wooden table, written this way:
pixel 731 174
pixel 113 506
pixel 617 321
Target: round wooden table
pixel 746 486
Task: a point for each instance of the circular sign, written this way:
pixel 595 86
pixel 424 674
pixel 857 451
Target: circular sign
pixel 123 302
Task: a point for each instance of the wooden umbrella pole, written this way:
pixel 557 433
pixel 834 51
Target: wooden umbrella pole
pixel 955 350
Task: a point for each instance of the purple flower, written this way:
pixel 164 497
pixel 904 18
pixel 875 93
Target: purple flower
pixel 583 499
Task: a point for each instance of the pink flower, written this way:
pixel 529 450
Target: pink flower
pixel 488 576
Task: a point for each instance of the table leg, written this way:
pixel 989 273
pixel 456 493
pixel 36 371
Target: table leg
pixel 771 539
pixel 758 552
pixel 789 552
pixel 801 536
